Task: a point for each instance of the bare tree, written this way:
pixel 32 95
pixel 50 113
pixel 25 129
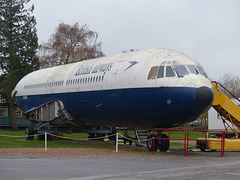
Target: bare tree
pixel 70 44
pixel 231 83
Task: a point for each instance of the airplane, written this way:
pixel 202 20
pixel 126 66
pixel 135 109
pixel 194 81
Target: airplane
pixel 141 89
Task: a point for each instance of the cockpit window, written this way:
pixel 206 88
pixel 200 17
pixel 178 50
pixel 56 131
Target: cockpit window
pixel 201 71
pixel 169 72
pixel 181 70
pixel 192 69
pixel 160 72
pixel 153 72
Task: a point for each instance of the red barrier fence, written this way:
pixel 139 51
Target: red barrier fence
pixel 169 137
pixel 206 139
pixel 187 139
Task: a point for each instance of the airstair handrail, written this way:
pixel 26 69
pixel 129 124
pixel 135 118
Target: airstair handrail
pixel 226 90
pixel 226 107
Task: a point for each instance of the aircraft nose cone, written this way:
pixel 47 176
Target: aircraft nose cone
pixel 203 96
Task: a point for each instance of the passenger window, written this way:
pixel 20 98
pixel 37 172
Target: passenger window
pixel 192 69
pixel 160 72
pixel 153 72
pixel 181 71
pixel 169 72
pixel 201 71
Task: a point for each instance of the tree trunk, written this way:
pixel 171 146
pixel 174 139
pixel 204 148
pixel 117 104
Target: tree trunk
pixel 13 117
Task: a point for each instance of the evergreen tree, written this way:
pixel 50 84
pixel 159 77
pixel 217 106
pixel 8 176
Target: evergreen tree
pixel 18 46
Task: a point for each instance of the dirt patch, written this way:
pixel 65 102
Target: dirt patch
pixel 109 149
pixel 53 151
pixel 125 153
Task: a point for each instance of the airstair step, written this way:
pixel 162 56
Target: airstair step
pixel 143 130
pixel 142 136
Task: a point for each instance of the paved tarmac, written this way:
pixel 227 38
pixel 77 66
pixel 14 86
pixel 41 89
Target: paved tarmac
pixel 117 167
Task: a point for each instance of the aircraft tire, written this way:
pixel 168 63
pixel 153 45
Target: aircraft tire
pixel 29 132
pixel 41 137
pixel 124 141
pixel 91 136
pixel 164 143
pixel 111 136
pixel 150 143
pixel 130 143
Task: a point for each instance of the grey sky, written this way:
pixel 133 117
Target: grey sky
pixel 206 30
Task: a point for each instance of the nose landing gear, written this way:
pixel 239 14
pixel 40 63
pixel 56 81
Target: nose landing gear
pixel 162 144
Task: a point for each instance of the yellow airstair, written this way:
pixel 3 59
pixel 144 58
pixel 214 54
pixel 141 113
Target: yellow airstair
pixel 226 107
pixel 229 111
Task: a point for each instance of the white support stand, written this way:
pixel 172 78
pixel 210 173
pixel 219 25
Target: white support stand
pixel 45 141
pixel 117 142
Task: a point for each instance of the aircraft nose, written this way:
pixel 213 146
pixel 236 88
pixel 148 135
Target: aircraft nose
pixel 203 96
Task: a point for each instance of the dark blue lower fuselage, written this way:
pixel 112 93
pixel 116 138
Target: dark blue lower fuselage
pixel 145 108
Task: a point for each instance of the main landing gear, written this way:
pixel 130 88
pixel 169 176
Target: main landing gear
pixel 29 133
pixel 162 144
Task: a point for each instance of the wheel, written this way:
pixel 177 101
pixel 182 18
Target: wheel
pixel 164 143
pixel 112 136
pixel 128 138
pixel 124 141
pixel 130 143
pixel 29 133
pixel 91 136
pixel 201 146
pixel 41 137
pixel 150 143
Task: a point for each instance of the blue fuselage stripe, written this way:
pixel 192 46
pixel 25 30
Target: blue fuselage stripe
pixel 135 107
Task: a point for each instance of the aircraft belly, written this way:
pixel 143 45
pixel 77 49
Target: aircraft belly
pixel 135 108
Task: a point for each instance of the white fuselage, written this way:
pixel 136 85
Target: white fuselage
pixel 117 77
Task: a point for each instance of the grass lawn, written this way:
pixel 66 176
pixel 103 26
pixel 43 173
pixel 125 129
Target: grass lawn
pixel 18 140
pixel 181 134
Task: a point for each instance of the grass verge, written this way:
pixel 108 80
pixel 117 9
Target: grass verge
pixel 21 142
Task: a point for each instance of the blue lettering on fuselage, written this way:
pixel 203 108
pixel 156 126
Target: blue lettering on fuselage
pixel 90 69
pixel 83 70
